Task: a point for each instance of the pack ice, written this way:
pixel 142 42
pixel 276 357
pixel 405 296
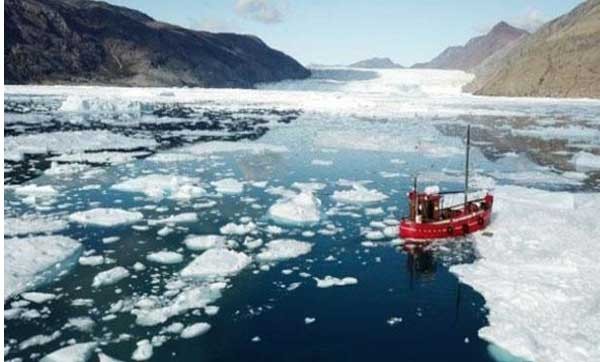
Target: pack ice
pixel 539 274
pixel 31 261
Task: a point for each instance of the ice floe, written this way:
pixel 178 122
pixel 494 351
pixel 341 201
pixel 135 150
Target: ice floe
pixel 586 161
pixel 71 142
pixel 183 218
pixel 359 194
pixel 143 351
pixel 57 169
pixel 281 249
pixel 38 297
pixel 33 224
pixel 330 281
pixel 110 277
pixel 109 157
pixel 238 229
pixel 203 242
pixel 195 330
pixel 162 186
pixel 538 273
pixel 31 261
pixel 228 186
pixel 208 148
pixel 214 263
pixel 106 217
pixel 194 297
pixel 300 208
pixel 79 352
pixel 165 257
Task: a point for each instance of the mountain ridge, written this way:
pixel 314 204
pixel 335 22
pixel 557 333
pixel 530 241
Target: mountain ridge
pixel 92 42
pixel 476 50
pixel 561 59
pixel 376 63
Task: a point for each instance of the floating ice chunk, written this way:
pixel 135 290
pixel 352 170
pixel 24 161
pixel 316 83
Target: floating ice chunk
pixel 165 257
pixel 586 161
pixel 164 231
pixel 539 258
pixel 203 242
pixel 105 358
pixel 374 235
pixel 36 191
pixel 216 263
pixel 92 260
pixel 72 142
pixel 186 217
pixel 83 324
pixel 394 320
pixel 162 186
pixel 80 352
pixel 386 174
pixel 253 243
pixel 38 297
pixel 173 328
pixel 195 330
pixel 143 351
pixel 211 310
pixel 301 208
pixel 32 224
pixel 109 277
pixel 358 195
pixel 110 239
pixel 238 229
pixel 385 142
pixel 57 169
pixel 112 158
pixel 322 162
pixel 228 186
pixel 31 261
pixel 106 217
pixel 330 281
pixel 167 157
pixel 282 249
pixel 191 298
pixel 207 148
pixel 572 133
pixel 39 340
pixel 139 266
pixel 255 339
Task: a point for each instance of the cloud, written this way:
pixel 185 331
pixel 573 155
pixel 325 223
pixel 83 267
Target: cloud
pixel 264 11
pixel 531 20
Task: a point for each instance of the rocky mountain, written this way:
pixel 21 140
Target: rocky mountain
pixel 376 63
pixel 92 42
pixel 561 59
pixel 476 50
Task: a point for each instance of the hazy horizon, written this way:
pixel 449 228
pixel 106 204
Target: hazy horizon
pixel 342 33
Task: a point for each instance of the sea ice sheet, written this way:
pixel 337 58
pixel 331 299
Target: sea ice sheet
pixel 539 274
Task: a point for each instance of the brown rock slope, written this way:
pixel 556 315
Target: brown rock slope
pixel 561 59
pixel 92 42
pixel 476 50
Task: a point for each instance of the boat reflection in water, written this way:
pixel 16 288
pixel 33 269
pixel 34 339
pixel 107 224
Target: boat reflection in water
pixel 426 263
pixel 420 262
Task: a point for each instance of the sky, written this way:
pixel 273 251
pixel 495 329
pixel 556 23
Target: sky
pixel 345 31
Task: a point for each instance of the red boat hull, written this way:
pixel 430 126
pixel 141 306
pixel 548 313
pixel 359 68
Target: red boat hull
pixel 461 225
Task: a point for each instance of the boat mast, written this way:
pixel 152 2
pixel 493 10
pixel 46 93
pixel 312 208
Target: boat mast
pixel 416 198
pixel 467 165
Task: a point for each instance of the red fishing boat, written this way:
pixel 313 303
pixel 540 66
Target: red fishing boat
pixel 428 219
